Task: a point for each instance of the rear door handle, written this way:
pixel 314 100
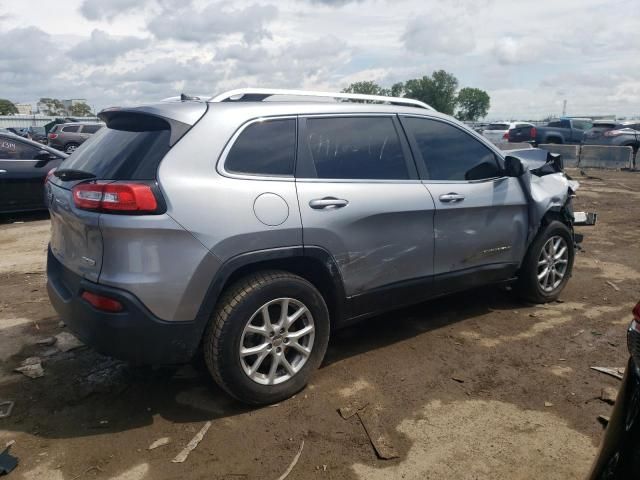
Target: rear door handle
pixel 451 197
pixel 328 202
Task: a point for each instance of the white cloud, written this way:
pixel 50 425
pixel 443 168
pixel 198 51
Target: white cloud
pixel 128 51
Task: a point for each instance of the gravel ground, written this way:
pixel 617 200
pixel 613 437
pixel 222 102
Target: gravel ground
pixel 475 385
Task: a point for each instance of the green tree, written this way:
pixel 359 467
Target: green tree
pixel 366 88
pixel 473 104
pixel 80 110
pixel 438 90
pixel 7 107
pixel 53 106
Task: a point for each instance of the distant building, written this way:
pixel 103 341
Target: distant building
pixel 71 102
pixel 23 108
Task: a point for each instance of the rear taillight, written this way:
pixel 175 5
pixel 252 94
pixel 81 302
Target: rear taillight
pixel 52 136
pixel 636 312
pixel 102 302
pixel 533 133
pixel 115 197
pixel 506 135
pixel 614 133
pixel 49 173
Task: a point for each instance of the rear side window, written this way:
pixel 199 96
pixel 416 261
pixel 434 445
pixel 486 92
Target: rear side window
pixel 264 148
pixel 355 148
pixel 71 129
pixel 125 150
pixel 91 128
pixel 449 153
pixel 582 124
pixel 12 150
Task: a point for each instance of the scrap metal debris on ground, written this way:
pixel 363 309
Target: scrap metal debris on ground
pixel 6 408
pixel 373 428
pixel 66 342
pixel 293 463
pixel 7 461
pixel 159 443
pixel 31 367
pixel 614 372
pixel 182 456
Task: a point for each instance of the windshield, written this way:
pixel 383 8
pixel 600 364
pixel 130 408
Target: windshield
pixel 113 154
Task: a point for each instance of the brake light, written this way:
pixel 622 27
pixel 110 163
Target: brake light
pixel 506 135
pixel 52 136
pixel 636 312
pixel 101 302
pixel 533 133
pixel 115 197
pixel 49 173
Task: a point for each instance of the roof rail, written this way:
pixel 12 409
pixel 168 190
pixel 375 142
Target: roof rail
pixel 259 94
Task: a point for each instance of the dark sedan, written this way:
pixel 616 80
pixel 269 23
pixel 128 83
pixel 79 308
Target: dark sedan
pixel 24 165
pixel 619 457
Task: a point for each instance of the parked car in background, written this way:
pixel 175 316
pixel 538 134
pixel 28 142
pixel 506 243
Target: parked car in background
pixel 24 165
pixel 21 132
pixel 612 133
pixel 69 136
pixel 619 457
pixel 249 229
pixel 565 130
pixel 37 134
pixel 498 132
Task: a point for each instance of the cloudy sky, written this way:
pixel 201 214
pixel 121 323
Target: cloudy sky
pixel 529 56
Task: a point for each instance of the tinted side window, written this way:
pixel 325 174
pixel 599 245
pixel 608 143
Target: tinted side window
pixel 264 148
pixel 355 148
pixel 450 153
pixel 554 124
pixel 12 150
pixel 71 129
pixel 582 124
pixel 91 128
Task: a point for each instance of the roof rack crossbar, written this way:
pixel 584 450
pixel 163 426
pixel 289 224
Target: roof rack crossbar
pixel 259 94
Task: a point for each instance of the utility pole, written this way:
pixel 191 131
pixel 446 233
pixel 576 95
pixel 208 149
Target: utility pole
pixel 564 108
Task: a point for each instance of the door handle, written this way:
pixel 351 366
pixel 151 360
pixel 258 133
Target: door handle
pixel 451 197
pixel 328 202
pixel 2 171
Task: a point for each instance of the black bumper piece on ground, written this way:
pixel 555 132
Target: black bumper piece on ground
pixel 134 334
pixel 619 457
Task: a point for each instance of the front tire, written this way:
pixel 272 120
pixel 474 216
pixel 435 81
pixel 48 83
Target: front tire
pixel 268 334
pixel 547 265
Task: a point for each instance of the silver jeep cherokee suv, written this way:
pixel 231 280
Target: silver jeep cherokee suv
pixel 250 225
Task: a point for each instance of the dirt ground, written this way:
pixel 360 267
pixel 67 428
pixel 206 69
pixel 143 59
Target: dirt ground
pixel 476 385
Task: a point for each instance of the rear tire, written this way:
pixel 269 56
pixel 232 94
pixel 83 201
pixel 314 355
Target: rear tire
pixel 547 265
pixel 280 316
pixel 69 148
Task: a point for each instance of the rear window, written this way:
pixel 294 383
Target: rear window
pixel 498 126
pixel 71 128
pixel 123 154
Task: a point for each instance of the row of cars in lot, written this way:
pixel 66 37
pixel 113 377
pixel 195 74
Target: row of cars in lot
pixel 63 136
pixel 575 131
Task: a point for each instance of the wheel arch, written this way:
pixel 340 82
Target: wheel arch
pixel 314 264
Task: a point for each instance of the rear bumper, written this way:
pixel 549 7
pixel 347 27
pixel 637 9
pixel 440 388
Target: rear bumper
pixel 619 457
pixel 134 334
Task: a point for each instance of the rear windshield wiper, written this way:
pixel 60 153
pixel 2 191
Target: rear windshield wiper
pixel 71 174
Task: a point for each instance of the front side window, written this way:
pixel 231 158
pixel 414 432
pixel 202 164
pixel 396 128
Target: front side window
pixel 582 124
pixel 91 128
pixel 355 148
pixel 449 153
pixel 264 148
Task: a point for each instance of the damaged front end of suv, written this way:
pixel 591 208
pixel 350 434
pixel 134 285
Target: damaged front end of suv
pixel 549 191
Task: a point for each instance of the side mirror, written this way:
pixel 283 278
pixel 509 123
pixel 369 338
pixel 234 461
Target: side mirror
pixel 44 156
pixel 513 167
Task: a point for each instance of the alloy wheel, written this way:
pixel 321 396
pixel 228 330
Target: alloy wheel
pixel 552 263
pixel 277 341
